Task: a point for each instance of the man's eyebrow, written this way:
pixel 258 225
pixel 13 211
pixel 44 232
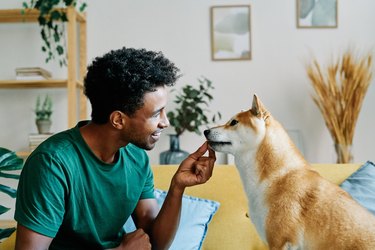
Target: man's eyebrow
pixel 157 111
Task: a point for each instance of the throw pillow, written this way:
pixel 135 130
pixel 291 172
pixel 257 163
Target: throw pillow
pixel 196 214
pixel 361 186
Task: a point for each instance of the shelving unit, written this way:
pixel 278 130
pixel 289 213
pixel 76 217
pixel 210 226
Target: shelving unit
pixel 72 83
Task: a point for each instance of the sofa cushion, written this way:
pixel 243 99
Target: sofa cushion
pixel 196 214
pixel 361 186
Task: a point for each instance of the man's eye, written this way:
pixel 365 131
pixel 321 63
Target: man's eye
pixel 233 122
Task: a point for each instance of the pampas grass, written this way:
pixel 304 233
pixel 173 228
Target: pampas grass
pixel 339 93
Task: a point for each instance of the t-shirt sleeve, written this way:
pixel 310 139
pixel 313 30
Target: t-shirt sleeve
pixel 40 195
pixel 148 188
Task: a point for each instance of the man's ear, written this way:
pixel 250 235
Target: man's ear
pixel 117 119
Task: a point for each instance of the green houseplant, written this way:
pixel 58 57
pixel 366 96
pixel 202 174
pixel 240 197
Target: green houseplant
pixel 51 21
pixel 190 114
pixel 9 161
pixel 192 108
pixel 43 112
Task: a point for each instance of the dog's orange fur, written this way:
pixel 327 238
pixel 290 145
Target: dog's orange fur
pixel 304 211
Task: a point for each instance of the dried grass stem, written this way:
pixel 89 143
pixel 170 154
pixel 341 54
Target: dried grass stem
pixel 339 93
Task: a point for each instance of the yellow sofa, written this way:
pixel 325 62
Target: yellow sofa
pixel 230 228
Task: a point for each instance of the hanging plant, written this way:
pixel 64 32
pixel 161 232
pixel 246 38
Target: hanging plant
pixel 51 21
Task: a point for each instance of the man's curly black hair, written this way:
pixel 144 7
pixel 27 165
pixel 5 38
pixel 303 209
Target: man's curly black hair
pixel 120 79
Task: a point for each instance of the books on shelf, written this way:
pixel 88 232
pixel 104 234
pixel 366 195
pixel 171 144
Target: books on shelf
pixel 36 139
pixel 32 73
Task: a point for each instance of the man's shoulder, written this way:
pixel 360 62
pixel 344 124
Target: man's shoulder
pixel 59 144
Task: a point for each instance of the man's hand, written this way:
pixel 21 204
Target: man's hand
pixel 137 240
pixel 195 169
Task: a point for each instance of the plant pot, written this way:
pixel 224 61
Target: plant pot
pixel 174 155
pixel 44 126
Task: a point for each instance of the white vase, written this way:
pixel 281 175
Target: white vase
pixel 44 126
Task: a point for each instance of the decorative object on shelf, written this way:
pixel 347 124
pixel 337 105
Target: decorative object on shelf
pixel 32 73
pixel 189 115
pixel 43 112
pixel 230 33
pixel 339 94
pixel 51 20
pixel 316 14
pixel 36 139
pixel 9 162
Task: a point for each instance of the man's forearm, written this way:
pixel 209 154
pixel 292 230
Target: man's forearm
pixel 166 223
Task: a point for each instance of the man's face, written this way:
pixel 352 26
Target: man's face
pixel 144 128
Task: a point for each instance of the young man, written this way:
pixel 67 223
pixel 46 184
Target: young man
pixel 79 187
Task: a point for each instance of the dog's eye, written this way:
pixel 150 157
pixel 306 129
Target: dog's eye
pixel 233 122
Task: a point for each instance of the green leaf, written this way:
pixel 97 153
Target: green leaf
pixel 11 176
pixel 6 232
pixel 8 190
pixel 68 2
pixel 60 49
pixel 82 7
pixel 3 209
pixel 64 17
pixel 55 15
pixel 9 160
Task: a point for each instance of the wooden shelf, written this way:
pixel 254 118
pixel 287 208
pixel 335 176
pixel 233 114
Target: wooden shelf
pixel 76 41
pixel 24 84
pixel 30 15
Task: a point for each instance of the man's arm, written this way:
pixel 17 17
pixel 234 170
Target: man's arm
pixel 28 239
pixel 162 226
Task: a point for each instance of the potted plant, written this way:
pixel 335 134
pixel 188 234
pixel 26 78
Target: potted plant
pixel 9 161
pixel 189 115
pixel 43 112
pixel 51 21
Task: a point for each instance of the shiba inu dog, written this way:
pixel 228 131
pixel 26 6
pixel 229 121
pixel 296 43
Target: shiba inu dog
pixel 291 206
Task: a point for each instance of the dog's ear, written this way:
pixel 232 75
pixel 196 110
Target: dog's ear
pixel 256 106
pixel 258 109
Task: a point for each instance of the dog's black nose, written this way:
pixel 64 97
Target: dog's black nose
pixel 206 132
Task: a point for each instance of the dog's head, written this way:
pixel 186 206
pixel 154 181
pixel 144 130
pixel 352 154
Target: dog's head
pixel 243 132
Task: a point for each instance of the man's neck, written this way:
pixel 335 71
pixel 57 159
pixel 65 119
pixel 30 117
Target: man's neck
pixel 101 139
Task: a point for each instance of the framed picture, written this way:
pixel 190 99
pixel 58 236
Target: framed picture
pixel 316 14
pixel 230 33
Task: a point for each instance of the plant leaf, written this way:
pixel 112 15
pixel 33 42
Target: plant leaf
pixel 11 176
pixel 8 190
pixel 6 232
pixel 9 160
pixel 3 209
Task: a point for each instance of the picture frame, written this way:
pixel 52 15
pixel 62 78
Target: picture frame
pixel 230 32
pixel 317 14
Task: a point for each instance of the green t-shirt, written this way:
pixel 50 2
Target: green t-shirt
pixel 67 193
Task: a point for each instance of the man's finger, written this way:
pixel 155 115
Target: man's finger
pixel 211 153
pixel 200 151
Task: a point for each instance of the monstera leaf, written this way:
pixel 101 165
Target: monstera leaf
pixel 9 161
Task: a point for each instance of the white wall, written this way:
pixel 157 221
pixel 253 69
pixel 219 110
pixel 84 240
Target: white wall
pixel 181 29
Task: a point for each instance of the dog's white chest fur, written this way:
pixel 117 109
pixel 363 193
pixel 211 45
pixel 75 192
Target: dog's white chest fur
pixel 255 193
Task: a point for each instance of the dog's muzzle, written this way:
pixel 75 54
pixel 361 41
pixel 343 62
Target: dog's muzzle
pixel 211 140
